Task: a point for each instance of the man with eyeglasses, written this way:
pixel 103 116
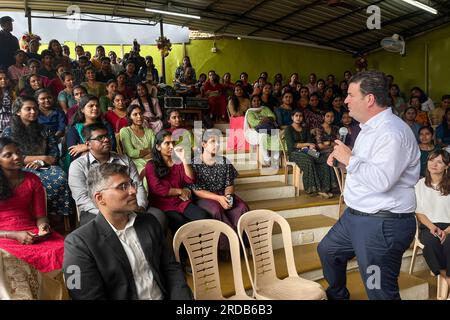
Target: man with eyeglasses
pixel 97 140
pixel 120 255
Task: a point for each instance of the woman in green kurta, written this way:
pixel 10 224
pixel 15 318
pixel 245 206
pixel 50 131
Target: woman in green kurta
pixel 137 140
pixel 260 127
pixel 316 173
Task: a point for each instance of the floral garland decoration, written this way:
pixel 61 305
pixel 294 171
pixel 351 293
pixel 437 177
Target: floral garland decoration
pixel 26 39
pixel 164 46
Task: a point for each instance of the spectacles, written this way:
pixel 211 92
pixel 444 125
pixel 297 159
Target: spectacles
pixel 125 187
pixel 100 138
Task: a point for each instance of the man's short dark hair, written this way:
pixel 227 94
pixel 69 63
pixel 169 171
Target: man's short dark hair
pixel 105 58
pixel 99 175
pixel 445 97
pixel 87 130
pixel 83 58
pixel 46 53
pixel 373 82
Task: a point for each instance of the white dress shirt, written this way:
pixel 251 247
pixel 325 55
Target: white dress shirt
pixel 432 203
pixel 384 166
pixel 146 286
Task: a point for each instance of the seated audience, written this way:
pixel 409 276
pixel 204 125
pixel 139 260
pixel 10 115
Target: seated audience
pixel 106 101
pixel 80 71
pixel 312 84
pixel 353 129
pixel 320 88
pixel 426 147
pixel 181 70
pixel 398 103
pixel 214 186
pixel 276 92
pixel 187 88
pixel 317 177
pixel 338 109
pixel 410 117
pixel 117 117
pixel 237 106
pixel 33 67
pixel 267 98
pixel 168 181
pixel 57 84
pixel 213 90
pixel 149 71
pixel 122 254
pixel 258 126
pixel 58 57
pixel 123 88
pixel 283 112
pixel 326 134
pixel 426 103
pixel 99 146
pixel 25 231
pixel 92 86
pixel 116 67
pixel 153 113
pixel 66 99
pixel 248 88
pixel 33 49
pixel 96 60
pixel 50 116
pixel 40 151
pixel 7 97
pixel 137 140
pixel 88 113
pixel 105 74
pixel 228 86
pixel 421 116
pixel 343 87
pixel 132 77
pixel 331 83
pixel 443 130
pixel 19 69
pixel 438 113
pixel 47 69
pixel 433 212
pixel 327 99
pixel 78 92
pixel 313 116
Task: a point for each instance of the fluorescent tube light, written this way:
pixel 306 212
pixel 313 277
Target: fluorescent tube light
pixel 421 6
pixel 173 13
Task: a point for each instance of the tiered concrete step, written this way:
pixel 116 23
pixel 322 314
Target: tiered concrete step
pixel 264 191
pixel 411 287
pixel 253 176
pixel 304 230
pixel 309 267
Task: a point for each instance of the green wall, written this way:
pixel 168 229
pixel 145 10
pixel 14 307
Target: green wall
pixel 252 56
pixel 426 64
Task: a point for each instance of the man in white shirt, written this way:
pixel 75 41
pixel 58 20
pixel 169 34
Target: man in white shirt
pixel 120 255
pixel 382 170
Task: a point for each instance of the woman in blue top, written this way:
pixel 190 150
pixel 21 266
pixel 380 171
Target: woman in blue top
pixel 283 112
pixel 88 112
pixel 40 152
pixel 443 130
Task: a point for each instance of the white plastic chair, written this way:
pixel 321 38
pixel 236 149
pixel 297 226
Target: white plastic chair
pixel 341 174
pixel 200 238
pixel 258 226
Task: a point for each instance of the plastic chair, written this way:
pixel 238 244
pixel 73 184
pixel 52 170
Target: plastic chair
pixel 296 171
pixel 258 226
pixel 417 244
pixel 201 238
pixel 341 174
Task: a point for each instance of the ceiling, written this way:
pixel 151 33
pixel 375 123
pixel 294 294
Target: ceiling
pixel 313 22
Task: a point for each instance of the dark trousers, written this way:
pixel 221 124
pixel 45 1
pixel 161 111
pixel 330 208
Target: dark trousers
pixel 436 255
pixel 378 244
pixel 191 213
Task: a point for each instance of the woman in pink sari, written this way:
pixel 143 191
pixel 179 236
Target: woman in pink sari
pixel 237 106
pixel 24 229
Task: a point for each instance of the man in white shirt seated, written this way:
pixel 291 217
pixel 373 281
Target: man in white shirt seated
pixel 120 255
pixel 382 170
pixel 96 137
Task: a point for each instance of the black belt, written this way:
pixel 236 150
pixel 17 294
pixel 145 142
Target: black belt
pixel 383 214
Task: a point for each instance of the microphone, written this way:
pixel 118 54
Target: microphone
pixel 343 131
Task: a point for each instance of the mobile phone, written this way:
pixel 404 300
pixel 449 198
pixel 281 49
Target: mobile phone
pixel 38 238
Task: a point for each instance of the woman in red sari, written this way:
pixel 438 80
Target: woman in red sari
pixel 217 102
pixel 24 229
